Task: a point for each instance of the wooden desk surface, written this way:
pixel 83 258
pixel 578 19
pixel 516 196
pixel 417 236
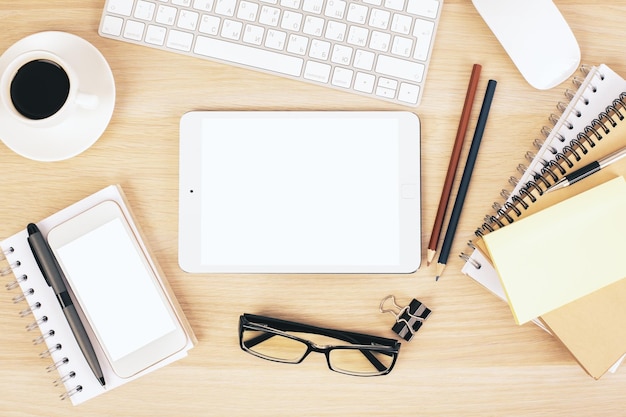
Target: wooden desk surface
pixel 469 359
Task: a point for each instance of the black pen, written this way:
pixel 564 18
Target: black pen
pixel 587 170
pixel 54 277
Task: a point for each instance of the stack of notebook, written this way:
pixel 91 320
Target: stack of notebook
pixel 557 257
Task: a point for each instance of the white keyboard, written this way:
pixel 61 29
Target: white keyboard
pixel 377 48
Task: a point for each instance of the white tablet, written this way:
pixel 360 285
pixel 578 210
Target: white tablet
pixel 299 192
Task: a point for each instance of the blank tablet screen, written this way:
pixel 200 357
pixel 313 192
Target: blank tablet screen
pixel 297 193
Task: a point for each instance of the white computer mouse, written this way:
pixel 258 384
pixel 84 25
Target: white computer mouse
pixel 536 37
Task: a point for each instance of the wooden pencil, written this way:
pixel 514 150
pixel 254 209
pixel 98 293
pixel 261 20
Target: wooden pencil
pixel 465 179
pixel 454 162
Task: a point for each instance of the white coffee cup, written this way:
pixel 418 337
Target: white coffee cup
pixel 40 89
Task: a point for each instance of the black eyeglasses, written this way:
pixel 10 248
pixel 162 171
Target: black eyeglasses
pixel 280 341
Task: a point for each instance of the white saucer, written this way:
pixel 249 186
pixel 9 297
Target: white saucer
pixel 78 132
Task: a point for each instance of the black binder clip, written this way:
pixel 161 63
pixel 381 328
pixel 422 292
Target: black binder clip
pixel 408 319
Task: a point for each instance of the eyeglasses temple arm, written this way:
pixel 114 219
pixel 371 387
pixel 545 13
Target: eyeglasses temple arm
pixel 262 337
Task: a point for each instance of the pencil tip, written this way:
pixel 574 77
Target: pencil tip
pixel 437 278
pixel 440 268
pixel 430 256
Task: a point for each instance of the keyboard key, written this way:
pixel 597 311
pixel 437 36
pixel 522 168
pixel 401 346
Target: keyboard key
pixel 112 25
pixel 335 31
pixel 364 82
pixel 335 9
pixel 144 10
pixel 155 35
pixel 395 4
pixel 313 6
pixel 387 83
pixel 225 7
pixel 402 46
pixel 247 11
pixel 380 19
pixel 293 4
pixel 253 57
pixel 275 39
pixel 297 44
pixel 357 35
pixel 269 16
pixel 423 31
pixel 341 55
pixel 380 41
pixel 401 24
pixel 291 21
pixel 179 40
pixel 409 93
pixel 253 34
pixel 385 92
pixel 188 20
pixel 166 15
pixel 400 68
pixel 121 7
pixel 317 71
pixel 210 25
pixel 357 13
pixel 342 77
pixel 231 29
pixel 319 50
pixel 203 5
pixel 134 30
pixel 426 8
pixel 364 60
pixel 313 26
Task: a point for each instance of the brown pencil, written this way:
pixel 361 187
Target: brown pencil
pixel 454 162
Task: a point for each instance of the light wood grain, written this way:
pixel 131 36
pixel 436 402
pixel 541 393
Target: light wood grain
pixel 469 359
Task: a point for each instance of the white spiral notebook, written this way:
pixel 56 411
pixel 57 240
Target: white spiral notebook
pixel 48 326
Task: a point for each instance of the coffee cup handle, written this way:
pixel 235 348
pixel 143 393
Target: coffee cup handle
pixel 87 101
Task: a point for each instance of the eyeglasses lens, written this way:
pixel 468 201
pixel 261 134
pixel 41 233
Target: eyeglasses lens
pixel 274 347
pixel 360 362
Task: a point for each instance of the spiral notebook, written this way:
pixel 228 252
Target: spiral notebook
pixel 600 92
pixel 590 127
pixel 49 327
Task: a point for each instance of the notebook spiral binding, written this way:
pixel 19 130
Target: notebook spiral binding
pixel 550 171
pixel 37 324
pixel 468 258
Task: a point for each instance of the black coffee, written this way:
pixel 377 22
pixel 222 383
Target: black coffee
pixel 39 89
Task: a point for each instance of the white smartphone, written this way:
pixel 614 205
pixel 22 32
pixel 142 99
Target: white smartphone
pixel 117 289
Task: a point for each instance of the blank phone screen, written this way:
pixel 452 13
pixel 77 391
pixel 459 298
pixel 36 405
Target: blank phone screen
pixel 115 289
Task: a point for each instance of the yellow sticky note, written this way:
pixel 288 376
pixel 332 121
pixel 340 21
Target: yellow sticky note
pixel 564 252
